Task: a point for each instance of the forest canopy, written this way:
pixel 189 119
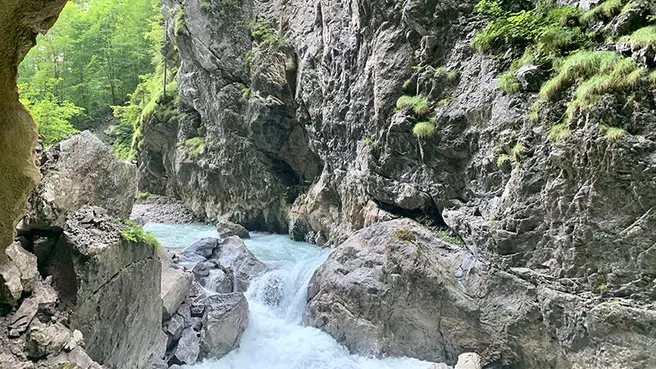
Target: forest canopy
pixel 91 63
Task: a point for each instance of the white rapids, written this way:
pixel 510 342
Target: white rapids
pixel 276 337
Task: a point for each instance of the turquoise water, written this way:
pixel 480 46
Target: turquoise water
pixel 275 337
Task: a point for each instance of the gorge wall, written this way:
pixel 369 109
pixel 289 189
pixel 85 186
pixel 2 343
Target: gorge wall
pixel 20 21
pixel 288 121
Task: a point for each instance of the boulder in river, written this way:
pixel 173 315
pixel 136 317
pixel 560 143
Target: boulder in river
pixel 229 229
pixel 404 291
pixel 224 322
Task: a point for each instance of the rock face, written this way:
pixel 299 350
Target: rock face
pixel 301 134
pixel 20 22
pixel 81 171
pixel 402 290
pixel 112 286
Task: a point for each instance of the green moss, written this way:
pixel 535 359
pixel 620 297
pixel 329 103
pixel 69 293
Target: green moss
pixel 424 129
pixel 407 85
pixel 448 237
pixel 612 133
pixel 419 105
pixel 135 233
pixel 404 235
pixel 534 112
pixel 143 195
pixel 206 6
pixel 644 37
pixel 180 25
pixel 370 142
pixel 194 145
pixel 652 77
pixel 452 76
pixel 445 101
pixel 607 9
pixel 264 33
pixel 508 83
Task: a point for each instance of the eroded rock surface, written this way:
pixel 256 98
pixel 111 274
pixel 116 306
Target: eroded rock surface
pixel 81 171
pixel 397 288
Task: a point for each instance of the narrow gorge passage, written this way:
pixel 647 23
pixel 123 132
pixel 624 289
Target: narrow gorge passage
pixel 275 337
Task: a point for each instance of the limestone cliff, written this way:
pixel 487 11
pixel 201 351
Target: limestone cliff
pixel 20 21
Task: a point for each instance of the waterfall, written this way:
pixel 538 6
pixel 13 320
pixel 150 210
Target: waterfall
pixel 275 337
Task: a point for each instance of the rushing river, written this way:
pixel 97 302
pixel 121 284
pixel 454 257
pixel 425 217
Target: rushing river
pixel 275 337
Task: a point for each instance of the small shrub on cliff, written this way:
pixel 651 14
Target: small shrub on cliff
pixel 180 25
pixel 135 233
pixel 194 145
pixel 559 132
pixel 264 32
pixel 424 129
pixel 508 83
pixel 419 105
pixel 607 9
pixel 612 133
pixel 448 237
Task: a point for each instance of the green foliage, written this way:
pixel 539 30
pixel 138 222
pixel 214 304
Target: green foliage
pixel 404 235
pixel 559 132
pixel 135 233
pixel 424 129
pixel 406 85
pixel 264 33
pixel 525 27
pixel 644 37
pixel 452 76
pixel 143 195
pixel 508 83
pixel 517 151
pixel 652 77
pixel 419 105
pixel 52 116
pixel 194 145
pixel 206 6
pixel 180 25
pixel 245 91
pixel 370 142
pixel 612 133
pixel 95 53
pixel 445 101
pixel 502 159
pixel 607 9
pixel 122 145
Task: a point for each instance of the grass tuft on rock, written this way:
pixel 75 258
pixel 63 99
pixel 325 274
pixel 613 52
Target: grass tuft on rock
pixel 404 235
pixel 508 83
pixel 612 133
pixel 194 145
pixel 135 233
pixel 424 129
pixel 644 37
pixel 559 132
pixel 419 105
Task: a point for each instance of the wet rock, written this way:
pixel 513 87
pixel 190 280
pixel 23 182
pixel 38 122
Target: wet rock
pixel 175 286
pixel 81 171
pixel 469 360
pixel 188 348
pixel 201 248
pixel 439 366
pixel 232 254
pixel 398 283
pixel 229 229
pixel 75 359
pixel 224 322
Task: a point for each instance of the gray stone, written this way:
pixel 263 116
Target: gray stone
pixel 203 247
pixel 26 264
pixel 224 322
pixel 173 328
pixel 93 264
pixel 81 171
pixel 469 360
pixel 188 348
pixel 229 229
pixel 11 288
pixel 23 317
pixel 175 287
pixel 232 254
pixel 45 340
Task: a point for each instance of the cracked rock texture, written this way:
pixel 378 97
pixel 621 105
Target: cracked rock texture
pixel 301 134
pixel 396 288
pixel 20 22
